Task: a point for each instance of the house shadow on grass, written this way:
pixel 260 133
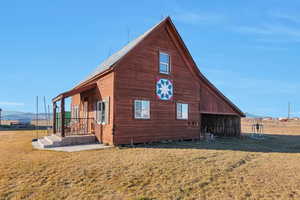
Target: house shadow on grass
pixel 270 144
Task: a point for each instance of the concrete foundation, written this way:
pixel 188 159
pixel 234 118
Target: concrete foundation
pixel 57 141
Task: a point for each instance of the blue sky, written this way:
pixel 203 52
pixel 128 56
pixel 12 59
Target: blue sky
pixel 248 49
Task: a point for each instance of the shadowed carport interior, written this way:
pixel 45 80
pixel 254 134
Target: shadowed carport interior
pixel 221 125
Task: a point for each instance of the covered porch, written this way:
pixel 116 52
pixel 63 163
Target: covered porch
pixel 68 124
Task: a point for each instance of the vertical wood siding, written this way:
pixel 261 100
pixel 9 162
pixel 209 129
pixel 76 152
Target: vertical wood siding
pixel 212 103
pixel 136 79
pixel 104 90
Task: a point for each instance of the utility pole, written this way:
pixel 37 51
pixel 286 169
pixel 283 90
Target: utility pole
pixel 48 116
pixel 45 109
pixel 37 117
pixel 289 110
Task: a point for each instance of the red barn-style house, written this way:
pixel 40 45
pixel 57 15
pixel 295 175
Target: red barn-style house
pixel 150 90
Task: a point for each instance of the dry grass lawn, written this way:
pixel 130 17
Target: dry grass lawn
pixel 226 169
pixel 291 127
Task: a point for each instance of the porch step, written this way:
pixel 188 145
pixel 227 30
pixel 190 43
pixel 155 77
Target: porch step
pixel 43 143
pixel 56 141
pixel 78 139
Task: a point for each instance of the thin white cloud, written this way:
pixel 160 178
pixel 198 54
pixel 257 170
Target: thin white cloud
pixel 198 17
pixel 6 103
pixel 252 85
pixel 278 40
pixel 270 29
pixel 268 48
pixel 295 113
pixel 276 27
pixel 285 16
pixel 253 30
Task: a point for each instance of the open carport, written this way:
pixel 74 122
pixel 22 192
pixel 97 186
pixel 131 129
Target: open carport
pixel 221 125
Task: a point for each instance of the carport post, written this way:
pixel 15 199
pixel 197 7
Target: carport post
pixel 54 117
pixel 62 116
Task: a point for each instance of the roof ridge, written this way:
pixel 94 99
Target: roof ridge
pixel 111 60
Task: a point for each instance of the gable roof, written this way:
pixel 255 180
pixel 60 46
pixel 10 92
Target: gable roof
pixel 201 76
pixel 116 57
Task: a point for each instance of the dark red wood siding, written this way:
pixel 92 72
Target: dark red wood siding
pixel 104 90
pixel 136 77
pixel 211 102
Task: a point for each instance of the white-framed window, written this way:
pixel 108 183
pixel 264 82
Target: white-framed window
pixel 102 111
pixel 182 111
pixel 141 109
pixel 164 63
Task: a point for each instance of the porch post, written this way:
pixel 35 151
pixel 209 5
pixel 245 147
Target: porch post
pixel 54 117
pixel 62 117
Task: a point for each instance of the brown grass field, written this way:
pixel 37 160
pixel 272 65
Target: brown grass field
pixel 226 169
pixel 291 127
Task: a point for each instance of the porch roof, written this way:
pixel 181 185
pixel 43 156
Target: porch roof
pixel 74 91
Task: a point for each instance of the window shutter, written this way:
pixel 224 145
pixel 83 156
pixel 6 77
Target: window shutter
pixel 107 110
pixel 95 111
pixel 98 111
pixel 100 108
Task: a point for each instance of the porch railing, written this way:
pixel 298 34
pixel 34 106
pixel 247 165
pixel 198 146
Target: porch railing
pixel 76 126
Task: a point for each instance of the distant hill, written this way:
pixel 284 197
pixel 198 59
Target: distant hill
pixel 250 115
pixel 27 116
pixel 6 113
pixel 22 116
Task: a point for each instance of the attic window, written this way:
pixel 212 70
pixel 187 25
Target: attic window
pixel 164 63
